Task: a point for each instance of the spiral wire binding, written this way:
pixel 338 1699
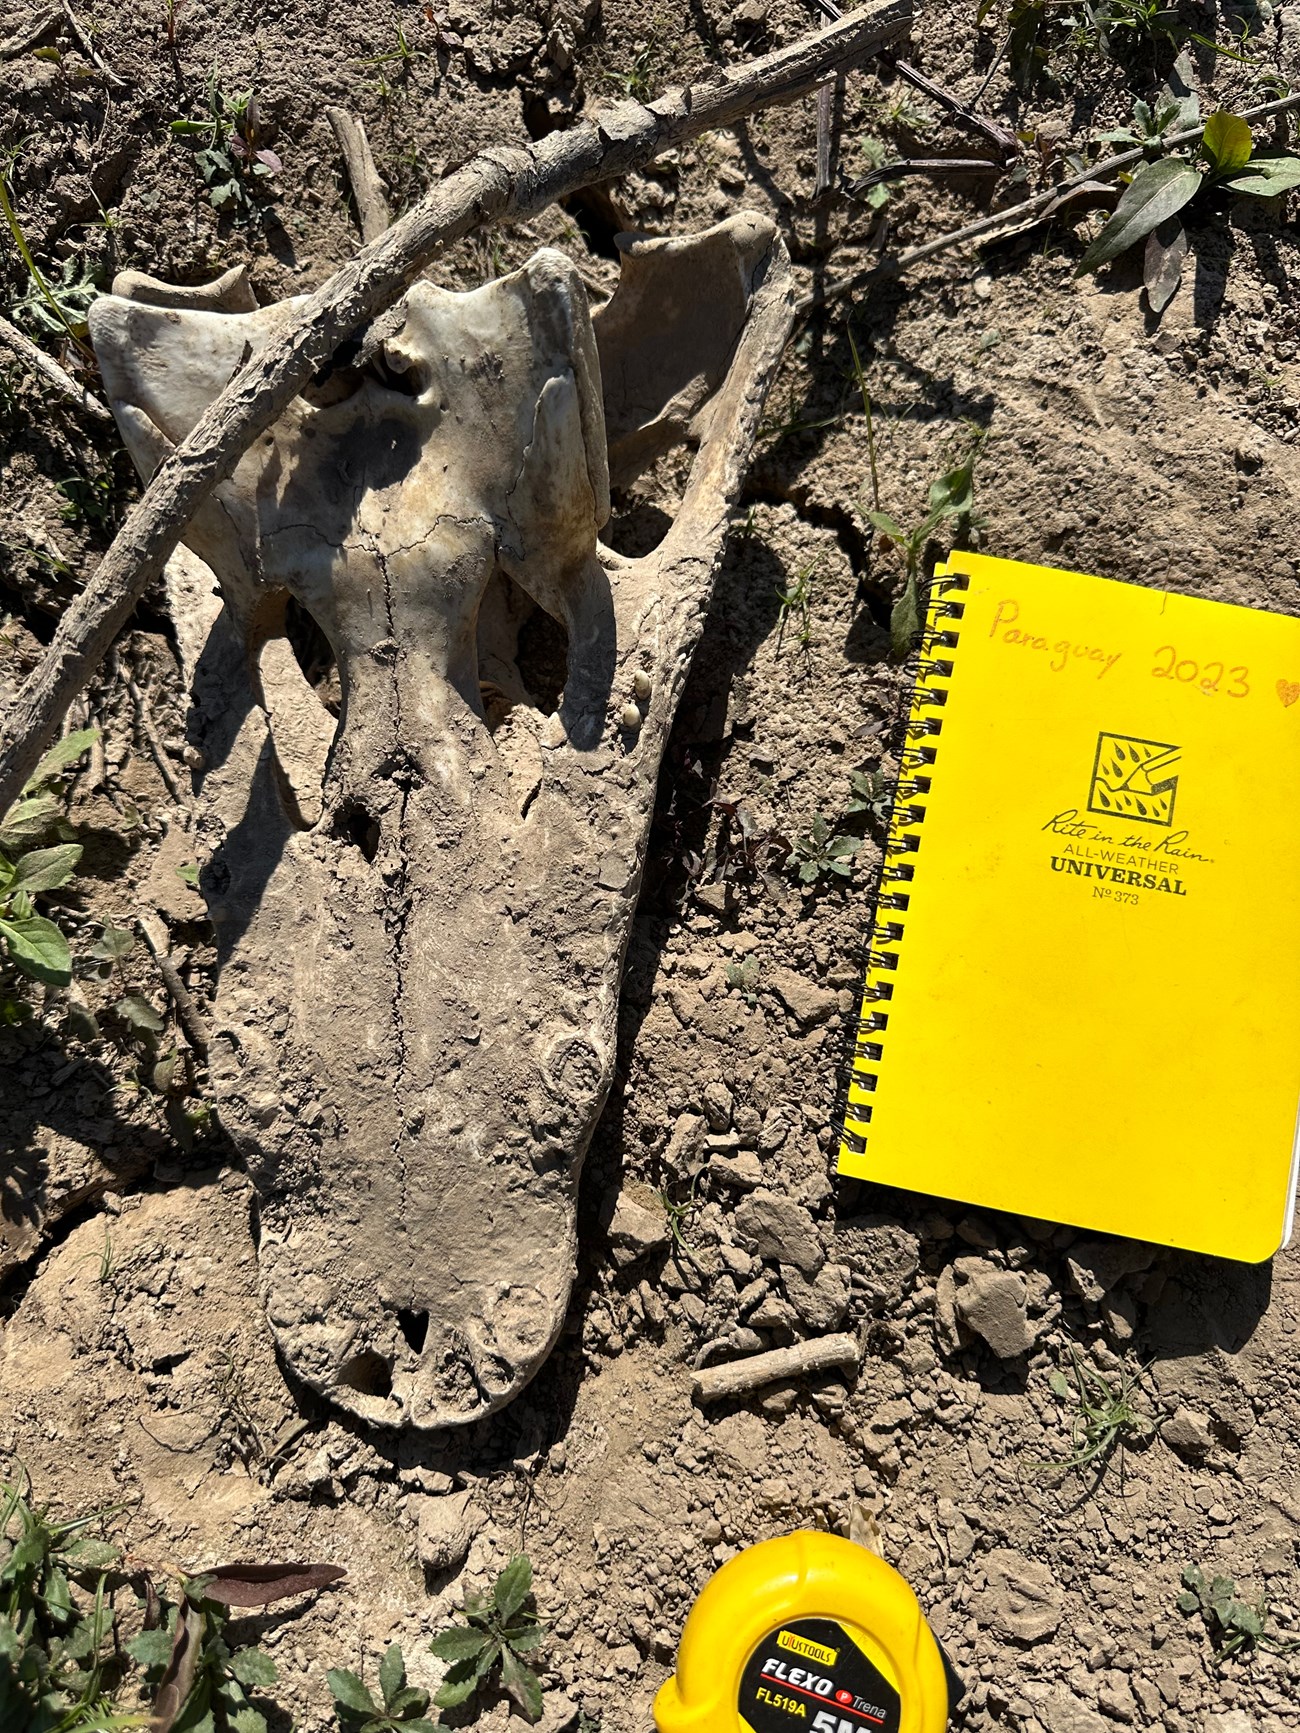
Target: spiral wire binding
pixel 902 845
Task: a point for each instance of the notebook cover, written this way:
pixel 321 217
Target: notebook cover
pixel 1086 997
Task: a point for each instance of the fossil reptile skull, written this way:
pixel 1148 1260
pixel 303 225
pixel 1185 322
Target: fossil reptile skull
pixel 422 892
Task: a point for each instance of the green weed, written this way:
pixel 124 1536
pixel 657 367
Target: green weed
pixel 1232 1622
pixel 33 944
pixel 1226 161
pixel 1103 1413
pixel 820 852
pixel 57 317
pixel 796 613
pixel 400 1709
pixel 498 1635
pixel 951 498
pixel 232 163
pixel 56 1651
pixel 871 793
pixel 743 976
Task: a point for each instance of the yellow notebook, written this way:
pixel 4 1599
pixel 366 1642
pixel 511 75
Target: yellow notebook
pixel 1083 990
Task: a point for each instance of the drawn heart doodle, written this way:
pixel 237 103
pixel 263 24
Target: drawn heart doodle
pixel 1288 691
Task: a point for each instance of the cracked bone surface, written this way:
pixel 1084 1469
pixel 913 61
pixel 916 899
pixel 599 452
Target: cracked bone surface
pixel 432 708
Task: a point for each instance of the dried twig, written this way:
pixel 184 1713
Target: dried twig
pixel 825 120
pixel 145 722
pixel 738 1377
pixel 13 340
pixel 922 165
pixel 1019 215
pixel 187 1012
pixel 998 135
pixel 367 188
pixel 22 41
pixel 505 184
pixel 87 45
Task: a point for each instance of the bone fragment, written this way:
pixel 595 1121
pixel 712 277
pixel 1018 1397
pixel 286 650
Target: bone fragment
pixel 422 892
pixel 738 1377
pixel 498 186
pixel 367 188
pixel 229 293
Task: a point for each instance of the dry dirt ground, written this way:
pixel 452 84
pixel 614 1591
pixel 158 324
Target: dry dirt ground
pixel 135 1362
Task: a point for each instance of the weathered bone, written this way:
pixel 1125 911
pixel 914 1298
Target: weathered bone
pixel 422 909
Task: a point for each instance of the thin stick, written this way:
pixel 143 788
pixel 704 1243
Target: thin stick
pixel 924 165
pixel 63 382
pixel 1005 141
pixel 88 47
pixel 1018 213
pixel 505 184
pixel 825 114
pixel 23 40
pixel 144 717
pixel 367 188
pixel 998 135
pixel 187 1012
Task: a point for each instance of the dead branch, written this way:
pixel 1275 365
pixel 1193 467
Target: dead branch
pixel 87 46
pixel 739 1377
pixel 30 35
pixel 923 165
pixel 187 1012
pixel 506 184
pixel 1019 216
pixel 367 188
pixel 13 340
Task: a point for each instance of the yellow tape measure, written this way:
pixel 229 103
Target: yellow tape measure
pixel 808 1633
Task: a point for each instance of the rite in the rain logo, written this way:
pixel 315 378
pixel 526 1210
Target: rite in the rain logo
pixel 1134 779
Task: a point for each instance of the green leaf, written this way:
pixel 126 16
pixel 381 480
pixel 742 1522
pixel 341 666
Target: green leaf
pixel 887 526
pixel 1162 266
pixel 39 949
pixel 253 1667
pixel 151 1649
pixel 1059 1385
pixel 1188 1602
pixel 463 1678
pixel 92 1555
pixel 513 1587
pixel 411 1697
pixel 953 494
pixel 113 944
pixel 523 1685
pixel 28 819
pixel 138 1011
pixel 349 1693
pixel 392 1673
pixel 61 755
pixel 523 1639
pixel 189 874
pixel 1194 1577
pixel 1227 143
pixel 459 1644
pixel 46 869
pixel 246 1721
pixel 1157 190
pixel 905 619
pixel 1246 1618
pixel 1269 177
